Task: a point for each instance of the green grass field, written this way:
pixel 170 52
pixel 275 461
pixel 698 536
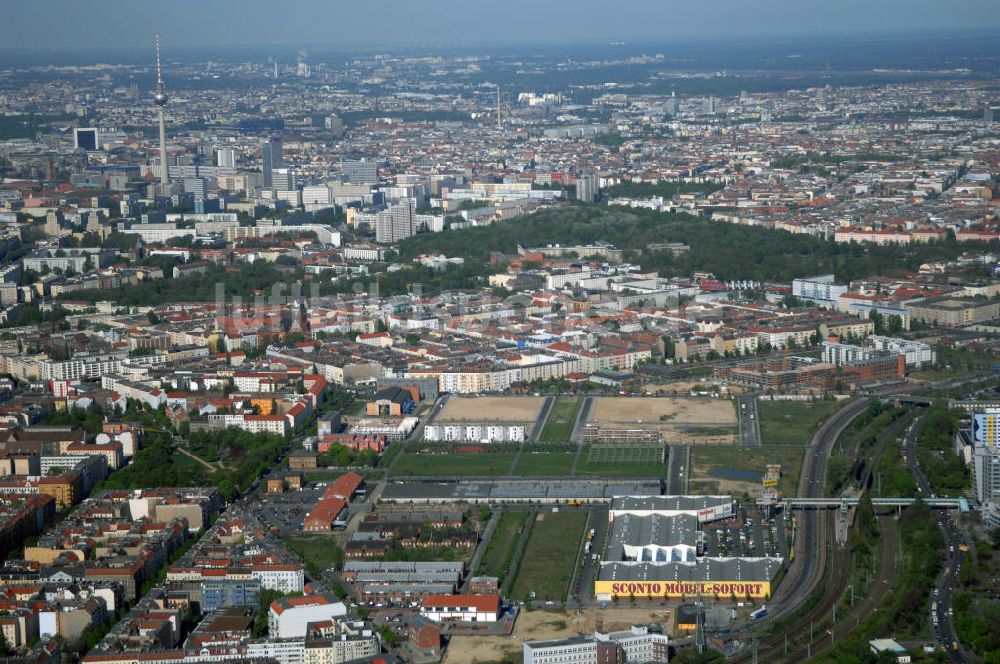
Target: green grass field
pixel 793 422
pixel 496 560
pixel 938 375
pixel 544 463
pixel 318 551
pixel 706 458
pixel 391 452
pixel 616 455
pixel 559 425
pixel 623 460
pixel 456 464
pixel 549 558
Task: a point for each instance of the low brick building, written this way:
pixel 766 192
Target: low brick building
pixel 302 460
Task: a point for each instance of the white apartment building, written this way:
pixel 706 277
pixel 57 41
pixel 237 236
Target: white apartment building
pixel 396 222
pixel 364 254
pixel 840 354
pixel 917 354
pixel 158 233
pixel 81 368
pixel 480 433
pixel 822 290
pixel 284 651
pixel 288 617
pixel 276 424
pixel 284 578
pixel 342 642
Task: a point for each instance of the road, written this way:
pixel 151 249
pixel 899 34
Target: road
pixel 582 413
pixel 587 575
pixel 810 543
pixel 677 467
pixel 746 414
pixel 484 540
pixel 820 564
pixel 543 415
pixel 942 597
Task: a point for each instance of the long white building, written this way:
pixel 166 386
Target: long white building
pixel 480 433
pixel 917 354
pixel 637 645
pixel 822 290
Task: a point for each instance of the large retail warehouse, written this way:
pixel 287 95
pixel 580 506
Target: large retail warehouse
pixel 655 549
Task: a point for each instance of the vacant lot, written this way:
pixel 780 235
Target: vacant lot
pixel 548 561
pixel 680 419
pixel 501 546
pixel 698 411
pixel 491 409
pixel 437 465
pixel 319 552
pixel 793 422
pixel 683 387
pixel 559 425
pixel 734 471
pixel 543 625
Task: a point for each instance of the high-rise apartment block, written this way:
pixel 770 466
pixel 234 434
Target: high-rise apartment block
pixel 225 158
pixel 396 222
pixel 586 188
pixel 283 179
pixel 986 463
pixel 359 171
pixel 271 159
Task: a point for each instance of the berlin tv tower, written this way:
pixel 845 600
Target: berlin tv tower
pixel 160 99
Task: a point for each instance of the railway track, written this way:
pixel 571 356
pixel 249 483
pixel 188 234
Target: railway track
pixel 839 574
pixel 823 612
pixel 803 576
pixel 837 566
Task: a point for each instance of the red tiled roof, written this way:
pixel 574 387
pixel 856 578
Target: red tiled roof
pixel 279 605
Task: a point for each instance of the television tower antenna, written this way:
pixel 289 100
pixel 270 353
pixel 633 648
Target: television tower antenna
pixel 499 116
pixel 160 99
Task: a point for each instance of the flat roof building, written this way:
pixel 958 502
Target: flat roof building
pixel 655 538
pixel 653 551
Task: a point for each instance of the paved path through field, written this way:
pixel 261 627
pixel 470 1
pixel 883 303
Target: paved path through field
pixel 581 418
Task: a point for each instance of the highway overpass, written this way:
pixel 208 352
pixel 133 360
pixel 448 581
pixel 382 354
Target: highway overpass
pixel 960 504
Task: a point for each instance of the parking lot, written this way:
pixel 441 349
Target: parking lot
pixel 748 533
pixel 287 511
pixel 590 562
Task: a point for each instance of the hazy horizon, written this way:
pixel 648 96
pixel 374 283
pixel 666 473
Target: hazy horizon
pixel 64 25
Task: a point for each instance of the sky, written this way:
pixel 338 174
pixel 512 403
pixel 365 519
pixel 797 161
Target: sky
pixel 76 24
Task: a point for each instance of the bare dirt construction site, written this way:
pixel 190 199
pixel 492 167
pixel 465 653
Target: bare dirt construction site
pixel 543 625
pixel 703 483
pixel 680 419
pixel 683 387
pixel 491 409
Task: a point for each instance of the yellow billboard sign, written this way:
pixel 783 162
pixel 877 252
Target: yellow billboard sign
pixel 755 589
pixel 770 483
